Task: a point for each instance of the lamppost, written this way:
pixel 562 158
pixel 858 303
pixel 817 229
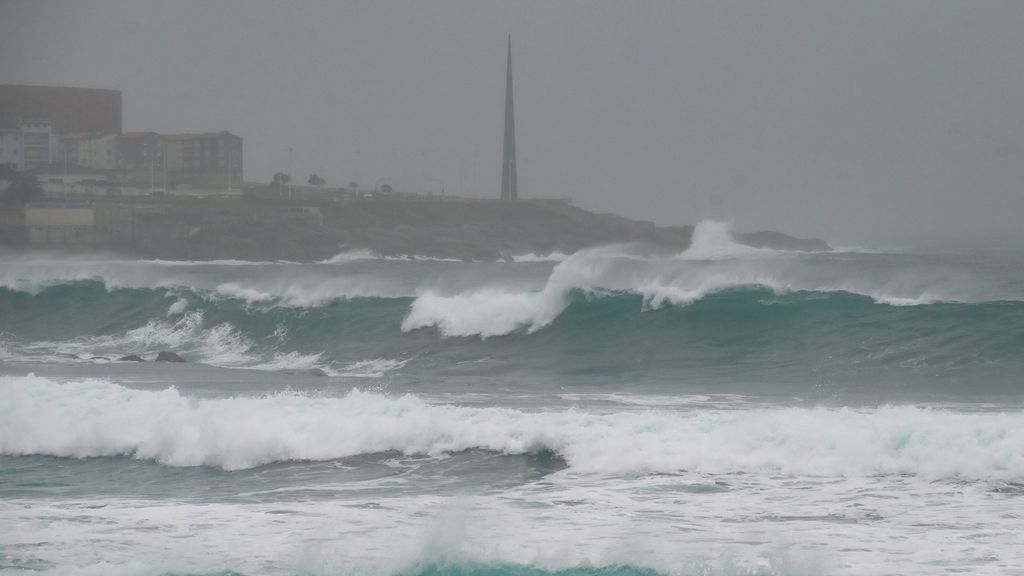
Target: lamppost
pixel 291 169
pixel 65 174
pixel 165 169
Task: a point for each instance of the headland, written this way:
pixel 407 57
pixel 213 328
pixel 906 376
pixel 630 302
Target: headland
pixel 263 223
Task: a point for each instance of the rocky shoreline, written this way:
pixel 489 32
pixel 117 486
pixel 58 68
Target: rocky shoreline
pixel 463 230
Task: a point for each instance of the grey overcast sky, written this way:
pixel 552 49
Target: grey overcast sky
pixel 871 123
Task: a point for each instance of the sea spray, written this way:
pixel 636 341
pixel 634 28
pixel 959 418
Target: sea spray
pixel 714 240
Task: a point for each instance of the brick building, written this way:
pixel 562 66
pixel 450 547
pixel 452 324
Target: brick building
pixel 68 109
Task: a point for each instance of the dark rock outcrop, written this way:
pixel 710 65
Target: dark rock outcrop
pixel 131 358
pixel 780 241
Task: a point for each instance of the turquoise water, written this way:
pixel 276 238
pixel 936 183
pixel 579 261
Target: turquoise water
pixel 721 411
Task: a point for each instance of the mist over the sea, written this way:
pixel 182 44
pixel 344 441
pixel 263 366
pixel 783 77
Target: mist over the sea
pixel 862 123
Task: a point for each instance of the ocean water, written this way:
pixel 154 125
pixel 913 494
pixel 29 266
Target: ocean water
pixel 613 412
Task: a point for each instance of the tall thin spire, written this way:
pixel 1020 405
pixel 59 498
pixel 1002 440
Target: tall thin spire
pixel 509 188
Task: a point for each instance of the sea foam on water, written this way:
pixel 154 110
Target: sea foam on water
pixel 91 418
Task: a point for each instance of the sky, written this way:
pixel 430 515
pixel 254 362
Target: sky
pixel 866 123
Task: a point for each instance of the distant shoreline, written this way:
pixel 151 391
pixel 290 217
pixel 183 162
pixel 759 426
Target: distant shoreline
pixel 315 227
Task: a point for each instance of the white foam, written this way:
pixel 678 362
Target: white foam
pixel 93 418
pixel 291 361
pixel 714 262
pixel 713 240
pixel 178 308
pixel 375 368
pixel 485 312
pixel 359 255
pixel 215 262
pixel 219 345
pixel 265 283
pixel 495 312
pixel 925 297
pixel 350 256
pixel 534 257
pixel 184 333
pixel 409 535
pixel 302 293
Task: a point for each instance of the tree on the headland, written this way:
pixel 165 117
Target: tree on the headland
pixel 19 188
pixel 316 180
pixel 387 189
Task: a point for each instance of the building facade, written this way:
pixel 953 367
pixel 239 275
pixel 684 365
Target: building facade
pixel 60 225
pixel 139 158
pixel 203 160
pixel 97 151
pixel 10 149
pixel 38 144
pixel 211 160
pixel 68 109
pixel 29 144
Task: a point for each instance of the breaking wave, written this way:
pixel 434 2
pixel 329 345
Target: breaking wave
pixel 718 306
pixel 444 568
pixel 96 418
pixel 770 333
pixel 359 255
pixel 713 240
pixel 713 265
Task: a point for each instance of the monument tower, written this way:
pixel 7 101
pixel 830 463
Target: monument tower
pixel 509 188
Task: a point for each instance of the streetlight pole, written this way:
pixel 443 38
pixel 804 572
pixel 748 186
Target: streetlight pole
pixel 291 168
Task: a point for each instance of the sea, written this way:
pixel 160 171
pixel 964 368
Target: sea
pixel 619 411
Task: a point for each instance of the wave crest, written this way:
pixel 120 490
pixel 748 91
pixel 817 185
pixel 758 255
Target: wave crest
pixel 93 418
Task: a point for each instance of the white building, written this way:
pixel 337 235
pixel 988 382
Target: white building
pixel 31 144
pixel 97 151
pixel 38 143
pixel 10 149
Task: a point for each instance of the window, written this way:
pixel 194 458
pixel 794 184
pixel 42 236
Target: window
pixel 36 139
